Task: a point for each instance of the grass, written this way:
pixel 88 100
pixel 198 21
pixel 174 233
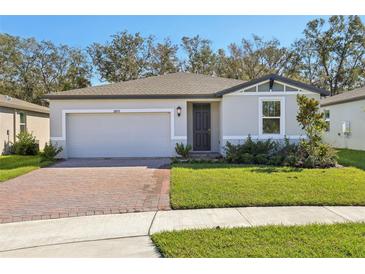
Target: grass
pixel 224 185
pixel 12 166
pixel 311 241
pixel 349 157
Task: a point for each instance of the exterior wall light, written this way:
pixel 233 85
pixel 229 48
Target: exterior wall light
pixel 178 109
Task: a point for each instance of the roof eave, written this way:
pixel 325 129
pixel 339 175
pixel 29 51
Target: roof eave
pixel 162 96
pixel 13 106
pixel 347 100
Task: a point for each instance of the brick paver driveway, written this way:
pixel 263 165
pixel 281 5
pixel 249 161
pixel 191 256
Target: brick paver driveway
pixel 79 187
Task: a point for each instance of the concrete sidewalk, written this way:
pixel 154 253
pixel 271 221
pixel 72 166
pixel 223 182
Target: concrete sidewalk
pixel 110 235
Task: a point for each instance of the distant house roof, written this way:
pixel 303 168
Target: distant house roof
pixel 348 96
pixel 174 85
pixel 10 102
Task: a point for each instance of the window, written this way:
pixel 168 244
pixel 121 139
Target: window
pixel 327 119
pixel 289 88
pixel 271 116
pixel 23 122
pixel 264 87
pixel 252 89
pixel 277 87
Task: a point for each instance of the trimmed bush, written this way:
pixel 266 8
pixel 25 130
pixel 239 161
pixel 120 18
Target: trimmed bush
pixel 26 144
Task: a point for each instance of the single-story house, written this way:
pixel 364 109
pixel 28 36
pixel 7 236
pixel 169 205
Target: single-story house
pixel 147 117
pixel 17 116
pixel 345 114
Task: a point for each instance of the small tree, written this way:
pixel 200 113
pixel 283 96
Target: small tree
pixel 50 152
pixel 313 152
pixel 311 120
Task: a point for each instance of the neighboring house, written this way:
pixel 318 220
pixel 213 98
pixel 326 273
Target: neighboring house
pixel 147 117
pixel 345 114
pixel 16 116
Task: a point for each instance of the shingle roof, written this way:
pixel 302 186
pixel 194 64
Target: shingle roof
pixel 172 85
pixel 10 102
pixel 348 96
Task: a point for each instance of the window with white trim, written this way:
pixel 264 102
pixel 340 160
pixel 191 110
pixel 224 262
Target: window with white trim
pixel 22 122
pixel 271 117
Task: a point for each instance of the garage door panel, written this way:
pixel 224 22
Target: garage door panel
pixel 118 135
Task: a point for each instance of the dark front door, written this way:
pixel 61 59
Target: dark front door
pixel 201 127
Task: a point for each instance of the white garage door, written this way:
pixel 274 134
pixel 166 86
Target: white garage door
pixel 118 135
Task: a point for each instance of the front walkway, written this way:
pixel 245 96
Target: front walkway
pixel 80 187
pixel 55 238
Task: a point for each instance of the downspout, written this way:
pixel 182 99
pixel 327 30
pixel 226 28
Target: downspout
pixel 14 125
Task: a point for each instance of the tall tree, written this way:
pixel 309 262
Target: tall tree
pixel 333 53
pixel 256 57
pixel 200 56
pixel 61 67
pixel 122 59
pixel 29 69
pixel 222 65
pixel 18 75
pixel 162 57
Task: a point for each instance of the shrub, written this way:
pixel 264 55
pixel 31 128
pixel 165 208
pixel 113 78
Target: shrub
pixel 233 153
pixel 320 156
pixel 183 150
pixel 276 160
pixel 261 159
pixel 246 158
pixel 246 153
pixel 26 144
pixel 290 160
pixel 49 152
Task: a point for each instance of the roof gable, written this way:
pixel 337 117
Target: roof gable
pixel 273 78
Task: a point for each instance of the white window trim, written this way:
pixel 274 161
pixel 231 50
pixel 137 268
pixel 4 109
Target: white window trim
pixel 328 120
pixel 161 110
pixel 282 118
pixel 325 118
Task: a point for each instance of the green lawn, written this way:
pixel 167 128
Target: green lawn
pixel 349 157
pixel 224 185
pixel 311 241
pixel 12 166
